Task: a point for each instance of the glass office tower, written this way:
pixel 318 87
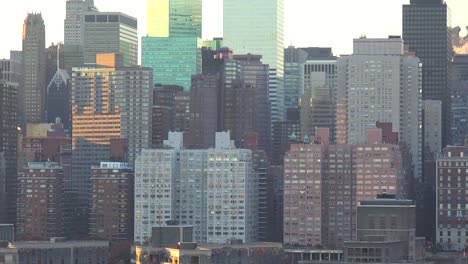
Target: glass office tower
pixel 172 18
pixel 426 31
pixel 174 59
pixel 257 27
pixel 172 46
pixel 111 32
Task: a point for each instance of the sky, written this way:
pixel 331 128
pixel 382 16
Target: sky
pixel 312 23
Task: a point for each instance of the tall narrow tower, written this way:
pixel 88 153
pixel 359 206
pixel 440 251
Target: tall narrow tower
pixel 426 32
pixel 32 98
pixel 257 27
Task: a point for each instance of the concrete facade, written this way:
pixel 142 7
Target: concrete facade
pixel 379 83
pixel 190 186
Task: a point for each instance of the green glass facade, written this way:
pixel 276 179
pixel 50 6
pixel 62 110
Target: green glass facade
pixel 172 18
pixel 173 59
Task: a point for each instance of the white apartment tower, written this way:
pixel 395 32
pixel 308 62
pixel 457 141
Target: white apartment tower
pixel 213 190
pixel 379 82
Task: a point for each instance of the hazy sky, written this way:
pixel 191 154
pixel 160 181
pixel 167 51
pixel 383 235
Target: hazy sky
pixel 320 23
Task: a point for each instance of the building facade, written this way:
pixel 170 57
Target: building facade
pixel 8 148
pixel 110 32
pixel 174 59
pixel 266 39
pixel 74 20
pixel 205 93
pixel 32 98
pixel 40 188
pixel 172 46
pixel 459 99
pixel 111 203
pixel 190 186
pixel 378 83
pixel 323 184
pixel 107 104
pixel 68 252
pixel 426 31
pixel 318 100
pixel 433 126
pixel 451 187
pixel 174 18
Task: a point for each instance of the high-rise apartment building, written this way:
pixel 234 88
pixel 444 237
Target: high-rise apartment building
pixel 8 149
pixel 108 103
pixel 426 31
pixel 74 21
pixel 213 190
pixel 172 46
pixel 323 184
pixel 451 192
pixel 111 203
pixel 32 98
pixel 266 38
pixel 40 188
pixel 110 32
pixel 378 83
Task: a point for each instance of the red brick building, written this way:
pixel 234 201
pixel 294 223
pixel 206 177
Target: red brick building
pixel 39 198
pixel 111 202
pixel 323 184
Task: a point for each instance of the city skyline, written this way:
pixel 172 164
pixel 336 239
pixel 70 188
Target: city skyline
pixel 337 35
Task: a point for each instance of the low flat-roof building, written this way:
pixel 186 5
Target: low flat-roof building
pixel 58 250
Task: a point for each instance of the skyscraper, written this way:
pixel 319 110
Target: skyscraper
pixel 172 46
pixel 253 117
pixel 426 31
pixel 174 59
pixel 293 87
pixel 58 88
pixel 381 84
pixel 8 149
pixel 32 98
pixel 74 21
pixel 173 18
pixel 257 27
pixel 111 32
pixel 459 99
